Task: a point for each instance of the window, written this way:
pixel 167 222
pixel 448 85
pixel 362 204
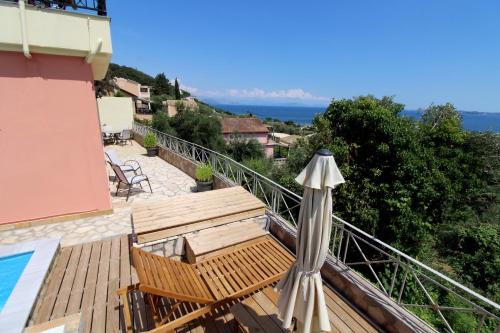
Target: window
pixel 144 90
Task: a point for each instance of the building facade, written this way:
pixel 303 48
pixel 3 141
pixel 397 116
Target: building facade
pixel 52 156
pixel 140 94
pixel 248 128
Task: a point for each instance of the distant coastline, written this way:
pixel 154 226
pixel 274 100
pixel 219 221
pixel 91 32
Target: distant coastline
pixel 472 120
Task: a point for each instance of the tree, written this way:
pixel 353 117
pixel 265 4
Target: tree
pixel 177 91
pixel 415 185
pixel 241 148
pixel 200 129
pixel 115 70
pixel 161 85
pixel 161 123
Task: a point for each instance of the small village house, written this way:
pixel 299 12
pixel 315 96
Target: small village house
pixel 249 128
pixel 141 94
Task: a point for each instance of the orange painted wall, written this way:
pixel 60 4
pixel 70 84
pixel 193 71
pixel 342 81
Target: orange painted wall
pixel 51 155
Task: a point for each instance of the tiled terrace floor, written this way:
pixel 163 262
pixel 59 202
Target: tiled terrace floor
pixel 166 181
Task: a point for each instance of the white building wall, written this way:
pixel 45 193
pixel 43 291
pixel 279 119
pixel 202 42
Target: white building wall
pixel 116 112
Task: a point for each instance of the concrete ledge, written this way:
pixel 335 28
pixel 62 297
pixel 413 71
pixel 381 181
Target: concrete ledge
pixel 53 219
pixel 182 163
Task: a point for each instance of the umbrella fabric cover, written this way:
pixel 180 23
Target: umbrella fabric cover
pixel 301 289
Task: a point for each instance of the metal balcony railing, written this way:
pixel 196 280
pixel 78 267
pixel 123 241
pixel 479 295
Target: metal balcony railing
pixel 98 6
pixel 441 302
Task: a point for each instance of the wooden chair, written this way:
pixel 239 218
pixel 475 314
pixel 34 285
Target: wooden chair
pixel 210 284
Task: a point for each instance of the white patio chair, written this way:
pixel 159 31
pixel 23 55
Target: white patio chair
pixel 129 181
pixel 124 136
pixel 127 166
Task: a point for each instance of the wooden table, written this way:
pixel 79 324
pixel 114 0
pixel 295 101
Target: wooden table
pixel 196 211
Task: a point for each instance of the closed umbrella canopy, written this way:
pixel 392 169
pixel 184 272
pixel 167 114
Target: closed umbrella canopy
pixel 301 289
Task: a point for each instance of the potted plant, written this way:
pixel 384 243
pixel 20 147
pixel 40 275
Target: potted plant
pixel 150 144
pixel 204 178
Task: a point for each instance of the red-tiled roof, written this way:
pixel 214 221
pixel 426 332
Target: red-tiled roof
pixel 243 125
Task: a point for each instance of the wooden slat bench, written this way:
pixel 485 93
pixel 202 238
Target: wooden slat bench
pixel 210 242
pixel 183 214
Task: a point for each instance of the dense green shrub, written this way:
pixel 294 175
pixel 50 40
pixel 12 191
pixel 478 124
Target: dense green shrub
pixel 161 123
pixel 149 140
pixel 204 173
pixel 200 129
pixel 241 148
pixel 427 187
pixel 264 166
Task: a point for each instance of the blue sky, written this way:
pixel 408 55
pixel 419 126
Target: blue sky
pixel 307 52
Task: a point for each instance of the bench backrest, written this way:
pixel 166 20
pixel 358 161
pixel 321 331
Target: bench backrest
pixel 169 278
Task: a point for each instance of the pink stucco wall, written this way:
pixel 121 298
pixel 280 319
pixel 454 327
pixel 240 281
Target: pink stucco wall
pixel 51 156
pixel 260 137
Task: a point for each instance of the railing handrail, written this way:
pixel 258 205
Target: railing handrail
pixel 284 189
pixel 98 6
pixel 297 197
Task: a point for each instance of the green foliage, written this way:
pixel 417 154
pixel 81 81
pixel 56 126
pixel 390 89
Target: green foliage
pixel 157 102
pixel 161 123
pixel 161 85
pixel 289 127
pixel 177 91
pixel 142 121
pixel 115 70
pixel 241 148
pixel 416 185
pixel 263 166
pixel 200 129
pixel 204 173
pixel 119 93
pixel 149 140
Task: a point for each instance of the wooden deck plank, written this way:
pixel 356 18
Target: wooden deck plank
pixel 75 299
pixel 67 283
pixel 169 212
pixel 101 293
pixel 176 215
pixel 346 313
pixel 53 287
pixel 112 315
pixel 90 286
pixel 199 197
pixel 198 225
pixel 215 199
pixel 176 207
pixel 205 243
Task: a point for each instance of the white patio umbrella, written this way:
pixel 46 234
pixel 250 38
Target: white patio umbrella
pixel 301 290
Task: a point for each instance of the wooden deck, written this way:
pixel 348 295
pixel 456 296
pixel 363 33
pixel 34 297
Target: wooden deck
pixel 195 211
pixel 85 278
pixel 258 313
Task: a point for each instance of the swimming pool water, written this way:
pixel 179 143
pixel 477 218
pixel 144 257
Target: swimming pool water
pixel 11 268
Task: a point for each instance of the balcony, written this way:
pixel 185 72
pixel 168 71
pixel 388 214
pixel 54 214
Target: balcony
pixel 93 264
pixel 58 28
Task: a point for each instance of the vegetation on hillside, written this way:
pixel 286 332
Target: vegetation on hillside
pixel 427 187
pixel 162 89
